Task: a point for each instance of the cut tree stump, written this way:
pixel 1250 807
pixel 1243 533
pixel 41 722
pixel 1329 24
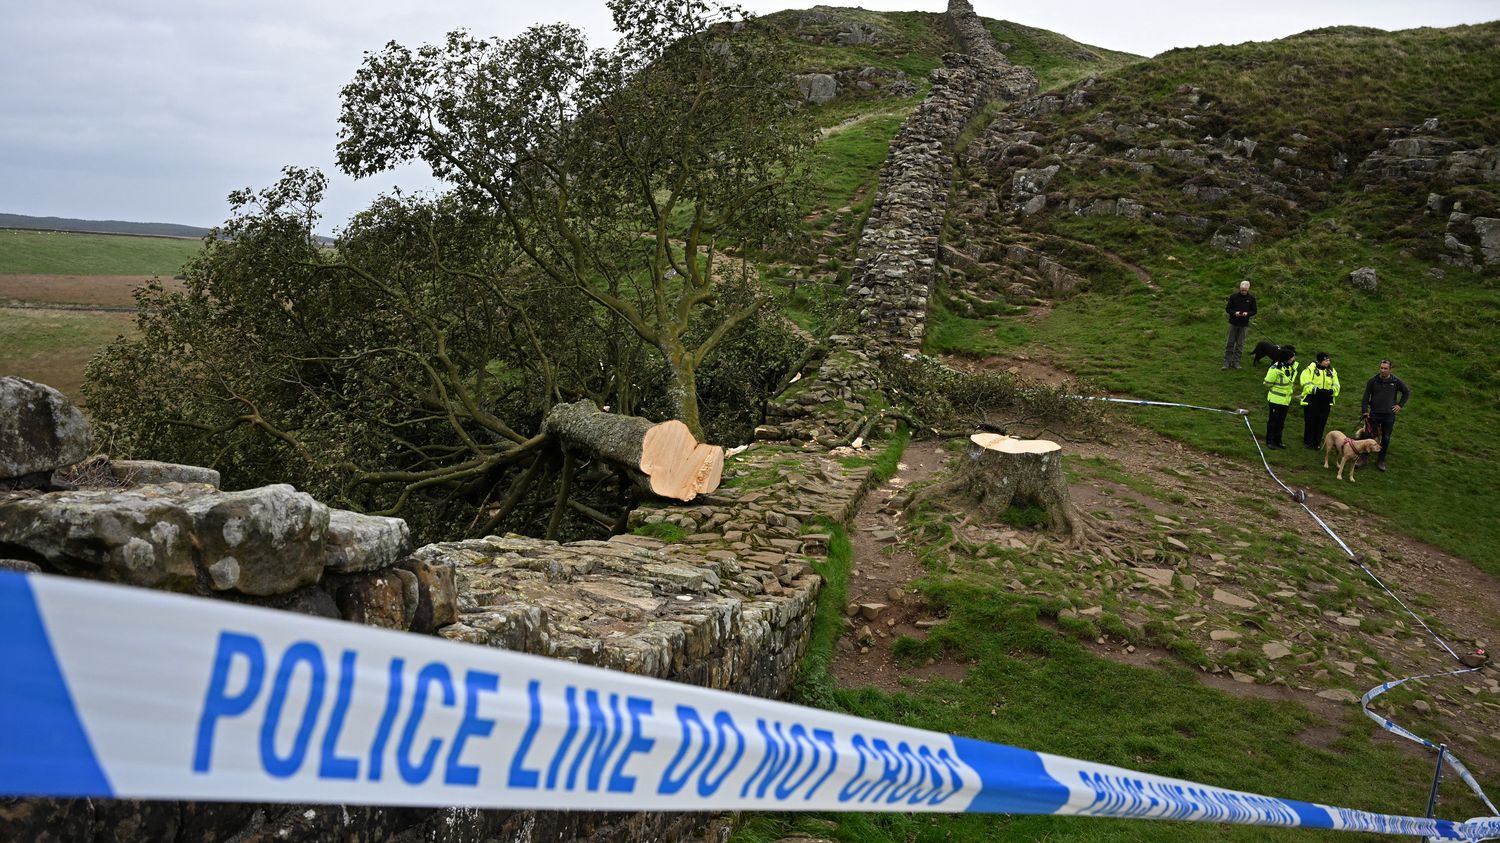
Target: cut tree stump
pixel 662 458
pixel 1003 471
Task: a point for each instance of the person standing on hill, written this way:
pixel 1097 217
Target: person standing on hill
pixel 1280 377
pixel 1320 388
pixel 1240 307
pixel 1385 395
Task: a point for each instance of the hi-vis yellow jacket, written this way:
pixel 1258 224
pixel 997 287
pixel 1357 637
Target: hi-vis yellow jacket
pixel 1280 378
pixel 1315 378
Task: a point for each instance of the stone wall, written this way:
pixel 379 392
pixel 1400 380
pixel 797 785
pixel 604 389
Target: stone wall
pixel 898 250
pixel 728 606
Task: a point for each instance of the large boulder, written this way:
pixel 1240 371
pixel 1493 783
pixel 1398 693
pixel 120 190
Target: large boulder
pixel 857 34
pixel 817 88
pixel 1364 278
pixel 260 541
pixel 40 429
pixel 178 536
pixel 1237 240
pixel 1488 229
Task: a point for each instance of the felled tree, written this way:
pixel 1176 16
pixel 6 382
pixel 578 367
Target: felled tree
pixel 409 368
pixel 623 174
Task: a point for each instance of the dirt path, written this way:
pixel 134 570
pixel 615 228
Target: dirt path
pixel 102 292
pixel 883 571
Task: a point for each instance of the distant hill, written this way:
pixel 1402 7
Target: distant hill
pixel 139 229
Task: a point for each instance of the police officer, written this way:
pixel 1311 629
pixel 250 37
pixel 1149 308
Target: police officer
pixel 1320 388
pixel 1280 378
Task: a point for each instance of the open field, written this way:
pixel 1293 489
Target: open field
pixel 54 346
pixel 64 296
pixel 60 253
pixel 99 291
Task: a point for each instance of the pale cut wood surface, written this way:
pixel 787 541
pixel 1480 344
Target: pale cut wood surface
pixel 680 466
pixel 1011 445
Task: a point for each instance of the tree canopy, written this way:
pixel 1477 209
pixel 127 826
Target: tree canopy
pixel 623 174
pixel 591 246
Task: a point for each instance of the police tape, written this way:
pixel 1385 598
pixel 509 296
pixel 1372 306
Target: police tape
pixel 108 691
pixel 1395 728
pixel 1446 756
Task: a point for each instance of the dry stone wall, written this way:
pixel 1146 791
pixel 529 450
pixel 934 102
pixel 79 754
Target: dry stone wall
pixel 729 606
pixel 898 250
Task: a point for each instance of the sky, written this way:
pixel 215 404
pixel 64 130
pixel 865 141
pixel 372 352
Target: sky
pixel 154 110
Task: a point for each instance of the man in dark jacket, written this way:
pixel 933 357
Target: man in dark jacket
pixel 1385 395
pixel 1240 307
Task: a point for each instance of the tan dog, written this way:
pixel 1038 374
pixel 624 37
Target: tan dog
pixel 1348 449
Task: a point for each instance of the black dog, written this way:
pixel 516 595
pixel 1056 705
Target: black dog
pixel 1277 353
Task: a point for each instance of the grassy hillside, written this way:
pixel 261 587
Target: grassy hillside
pixel 1056 60
pixel 57 253
pixel 1294 140
pixel 150 229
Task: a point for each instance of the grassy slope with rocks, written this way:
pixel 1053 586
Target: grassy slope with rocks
pixel 1056 60
pixel 1022 619
pixel 858 125
pixel 1306 102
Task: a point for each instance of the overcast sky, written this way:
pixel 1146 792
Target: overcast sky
pixel 153 110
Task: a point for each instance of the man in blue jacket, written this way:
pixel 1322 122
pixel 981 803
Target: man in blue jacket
pixel 1385 395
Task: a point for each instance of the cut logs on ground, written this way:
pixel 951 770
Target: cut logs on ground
pixel 661 458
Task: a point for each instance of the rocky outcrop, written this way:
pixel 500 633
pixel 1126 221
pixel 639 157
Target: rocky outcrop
pixel 817 88
pixel 1421 153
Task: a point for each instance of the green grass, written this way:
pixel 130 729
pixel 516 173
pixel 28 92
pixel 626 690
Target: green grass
pixel 814 685
pixel 1055 59
pixel 54 253
pixel 53 346
pixel 949 333
pixel 1028 685
pixel 667 532
pixel 843 167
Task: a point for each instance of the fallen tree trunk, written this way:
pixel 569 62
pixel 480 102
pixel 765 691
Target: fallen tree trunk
pixel 662 458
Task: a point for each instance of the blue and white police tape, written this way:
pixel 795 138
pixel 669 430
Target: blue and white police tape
pixel 1397 729
pixel 109 691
